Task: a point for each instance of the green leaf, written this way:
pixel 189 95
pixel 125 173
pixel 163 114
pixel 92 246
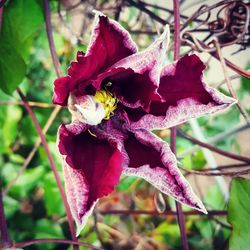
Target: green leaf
pixel 13 115
pixel 214 198
pixel 12 205
pixel 52 197
pixel 28 181
pixel 12 68
pixel 125 184
pixel 22 19
pixel 239 214
pixel 47 229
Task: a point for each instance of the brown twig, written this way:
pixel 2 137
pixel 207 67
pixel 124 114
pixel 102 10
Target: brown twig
pixel 177 44
pixel 52 164
pixel 229 85
pixel 215 149
pixel 5 239
pixel 230 173
pixel 31 104
pixel 222 167
pixel 50 38
pixel 61 241
pixel 1 18
pixel 205 9
pixel 155 213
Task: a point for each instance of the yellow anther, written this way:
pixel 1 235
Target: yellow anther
pixel 108 101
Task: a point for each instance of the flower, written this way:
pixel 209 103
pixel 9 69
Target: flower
pixel 116 96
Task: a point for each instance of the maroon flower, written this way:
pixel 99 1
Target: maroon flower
pixel 116 96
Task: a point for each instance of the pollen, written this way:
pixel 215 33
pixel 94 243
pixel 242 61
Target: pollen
pixel 108 101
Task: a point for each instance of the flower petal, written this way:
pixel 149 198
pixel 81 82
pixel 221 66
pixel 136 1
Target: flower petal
pixel 110 42
pixel 152 160
pixel 186 96
pixel 135 78
pixel 132 89
pixel 92 167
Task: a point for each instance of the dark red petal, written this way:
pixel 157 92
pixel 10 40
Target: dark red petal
pixel 152 159
pixel 110 42
pixel 132 89
pixel 92 168
pixel 186 96
pixel 61 90
pixel 147 67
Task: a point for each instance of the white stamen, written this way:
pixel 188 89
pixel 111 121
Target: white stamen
pixel 92 112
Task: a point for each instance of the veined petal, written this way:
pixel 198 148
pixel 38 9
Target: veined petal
pixel 186 95
pixel 152 160
pixel 110 42
pixel 92 167
pixel 150 59
pixel 135 78
pixel 131 89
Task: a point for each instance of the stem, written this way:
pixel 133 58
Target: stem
pixel 31 104
pixel 154 212
pixel 50 38
pixel 229 173
pixel 229 85
pixel 1 18
pixel 56 64
pixel 212 148
pixel 5 239
pixel 61 241
pixel 177 44
pixel 52 164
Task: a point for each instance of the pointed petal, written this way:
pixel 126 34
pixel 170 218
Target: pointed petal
pixel 61 90
pixel 132 89
pixel 110 42
pixel 92 167
pixel 135 79
pixel 152 160
pixel 186 96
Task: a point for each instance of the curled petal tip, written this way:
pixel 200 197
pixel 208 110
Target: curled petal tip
pixel 80 226
pixel 166 34
pixel 98 13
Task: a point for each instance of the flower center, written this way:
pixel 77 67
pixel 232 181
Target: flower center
pixel 108 101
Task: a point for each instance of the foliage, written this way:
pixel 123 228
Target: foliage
pixel 238 213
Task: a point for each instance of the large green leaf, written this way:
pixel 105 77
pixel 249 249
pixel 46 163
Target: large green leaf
pixel 12 68
pixel 21 20
pixel 239 214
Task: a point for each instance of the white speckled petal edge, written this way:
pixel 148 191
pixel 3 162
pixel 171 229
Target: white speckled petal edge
pixel 159 168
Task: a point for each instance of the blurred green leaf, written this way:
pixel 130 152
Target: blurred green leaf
pixel 239 214
pixel 126 183
pixel 11 204
pixel 27 181
pixel 10 58
pixel 12 116
pixel 22 19
pixel 52 197
pixel 214 198
pixel 47 229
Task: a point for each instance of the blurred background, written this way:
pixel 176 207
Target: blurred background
pixel 32 202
